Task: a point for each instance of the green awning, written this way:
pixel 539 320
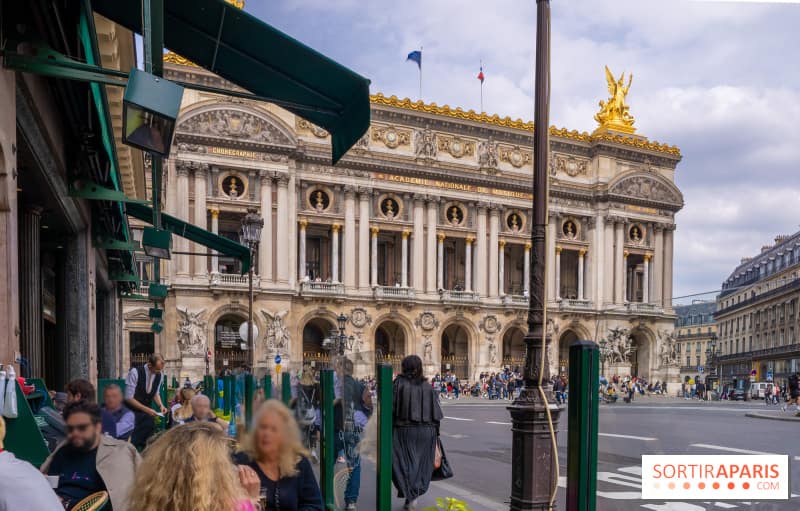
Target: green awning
pixel 255 56
pixel 193 233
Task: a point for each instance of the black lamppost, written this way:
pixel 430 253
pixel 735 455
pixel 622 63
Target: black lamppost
pixel 338 341
pixel 603 353
pixel 250 235
pixel 533 458
pixel 712 354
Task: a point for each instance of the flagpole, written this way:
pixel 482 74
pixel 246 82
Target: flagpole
pixel 481 88
pixel 420 73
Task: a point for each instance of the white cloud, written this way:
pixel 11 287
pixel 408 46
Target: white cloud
pixel 716 79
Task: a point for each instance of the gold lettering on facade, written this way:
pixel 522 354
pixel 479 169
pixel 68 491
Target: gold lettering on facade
pixel 641 209
pixel 453 186
pixel 239 153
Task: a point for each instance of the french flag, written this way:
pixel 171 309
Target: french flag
pixel 480 75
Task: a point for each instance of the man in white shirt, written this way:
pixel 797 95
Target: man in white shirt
pixel 141 390
pixel 21 485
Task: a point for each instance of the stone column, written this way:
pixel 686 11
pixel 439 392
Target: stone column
pixel 404 261
pixel 581 255
pixel 266 244
pixel 349 247
pixel 78 275
pixel 215 230
pixel 291 207
pixel 494 233
pixel 558 273
pixel 374 259
pixel 431 272
pixel 668 248
pixel 550 244
pixel 501 270
pixel 658 265
pixel 363 241
pixel 526 276
pixel 418 243
pixel 468 263
pixel 440 261
pixel 646 279
pixel 480 252
pixel 282 231
pixel 619 263
pixel 598 262
pixel 200 212
pixel 301 256
pixel 625 294
pixel 182 244
pixel 335 251
pixel 609 270
pixel 30 289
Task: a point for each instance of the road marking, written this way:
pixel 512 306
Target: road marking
pixel 631 470
pixel 499 423
pixel 644 438
pixel 732 449
pixel 453 435
pixel 460 419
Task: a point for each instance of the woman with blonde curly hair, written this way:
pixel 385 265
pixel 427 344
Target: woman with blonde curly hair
pixel 280 462
pixel 189 467
pixel 182 410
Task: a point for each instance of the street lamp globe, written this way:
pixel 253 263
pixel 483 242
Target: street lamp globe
pixel 250 233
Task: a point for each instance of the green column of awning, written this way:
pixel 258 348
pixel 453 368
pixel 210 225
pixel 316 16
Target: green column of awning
pixel 259 58
pixel 193 233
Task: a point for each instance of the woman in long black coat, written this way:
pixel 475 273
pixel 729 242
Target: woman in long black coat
pixel 416 418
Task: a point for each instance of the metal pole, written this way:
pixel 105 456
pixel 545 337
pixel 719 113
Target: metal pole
pixel 383 479
pixel 534 458
pixel 250 343
pixel 267 387
pixel 249 393
pixel 582 430
pixel 327 452
pixel 286 388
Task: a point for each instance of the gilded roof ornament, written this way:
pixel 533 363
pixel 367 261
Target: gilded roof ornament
pixel 614 114
pixel 519 124
pixel 239 4
pixel 173 58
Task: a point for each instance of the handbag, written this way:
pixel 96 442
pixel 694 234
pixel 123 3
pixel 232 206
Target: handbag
pixel 443 471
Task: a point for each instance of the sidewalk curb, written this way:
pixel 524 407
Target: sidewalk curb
pixel 757 415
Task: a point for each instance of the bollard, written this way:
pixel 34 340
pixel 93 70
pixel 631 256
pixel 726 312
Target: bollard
pixel 286 388
pixel 227 395
pixel 383 479
pixel 327 444
pixel 249 393
pixel 267 386
pixel 218 393
pixel 584 379
pixel 208 389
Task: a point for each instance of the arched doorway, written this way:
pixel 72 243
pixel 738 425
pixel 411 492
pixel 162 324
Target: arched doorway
pixel 514 348
pixel 455 351
pixel 640 354
pixel 230 351
pixel 568 338
pixel 314 333
pixel 390 344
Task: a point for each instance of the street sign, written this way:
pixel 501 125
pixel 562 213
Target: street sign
pixel 769 375
pixel 753 372
pixel 700 369
pixel 277 359
pixel 278 368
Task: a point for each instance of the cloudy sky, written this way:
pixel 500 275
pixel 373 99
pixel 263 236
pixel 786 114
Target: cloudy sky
pixel 719 79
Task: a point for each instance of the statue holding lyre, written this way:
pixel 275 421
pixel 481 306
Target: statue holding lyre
pixel 614 113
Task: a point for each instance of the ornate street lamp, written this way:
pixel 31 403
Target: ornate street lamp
pixel 603 353
pixel 250 236
pixel 338 341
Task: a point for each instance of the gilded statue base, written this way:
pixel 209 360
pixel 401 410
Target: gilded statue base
pixel 616 129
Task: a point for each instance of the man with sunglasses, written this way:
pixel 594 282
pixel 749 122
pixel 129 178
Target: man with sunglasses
pixel 88 461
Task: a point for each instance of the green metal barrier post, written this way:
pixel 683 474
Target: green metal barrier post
pixel 327 453
pixel 383 480
pixel 584 379
pixel 286 388
pixel 267 386
pixel 227 396
pixel 249 393
pixel 209 389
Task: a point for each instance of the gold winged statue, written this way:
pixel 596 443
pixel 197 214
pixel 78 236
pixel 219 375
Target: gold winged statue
pixel 614 114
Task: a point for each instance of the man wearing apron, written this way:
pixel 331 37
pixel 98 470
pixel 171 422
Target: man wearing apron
pixel 141 389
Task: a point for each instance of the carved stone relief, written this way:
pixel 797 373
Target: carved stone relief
pixel 645 187
pixel 390 136
pixel 234 124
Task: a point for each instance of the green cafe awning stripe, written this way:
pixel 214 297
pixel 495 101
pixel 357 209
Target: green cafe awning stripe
pixel 261 59
pixel 193 233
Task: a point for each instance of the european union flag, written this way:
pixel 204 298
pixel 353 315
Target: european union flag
pixel 415 56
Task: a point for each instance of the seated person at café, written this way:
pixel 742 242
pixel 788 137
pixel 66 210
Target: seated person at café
pixel 80 389
pixel 117 419
pixel 88 461
pixel 201 411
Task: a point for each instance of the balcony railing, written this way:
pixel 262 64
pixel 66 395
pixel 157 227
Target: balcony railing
pixel 312 288
pixel 449 296
pixel 574 304
pixel 393 293
pixel 515 301
pixel 642 308
pixel 228 278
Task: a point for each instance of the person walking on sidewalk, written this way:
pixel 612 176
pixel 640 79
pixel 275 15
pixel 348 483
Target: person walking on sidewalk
pixel 416 417
pixel 794 393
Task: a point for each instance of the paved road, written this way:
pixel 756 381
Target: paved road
pixel 477 440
